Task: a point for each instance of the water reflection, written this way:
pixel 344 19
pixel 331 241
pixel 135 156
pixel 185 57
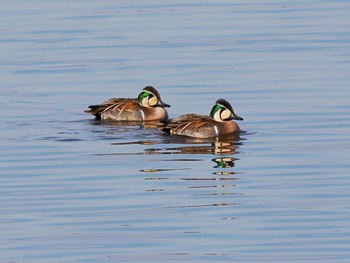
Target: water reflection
pixel 206 166
pixel 203 183
pixel 223 148
pixel 145 124
pixel 224 162
pixel 218 148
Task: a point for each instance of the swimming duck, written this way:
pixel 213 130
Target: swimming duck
pixel 217 124
pixel 147 107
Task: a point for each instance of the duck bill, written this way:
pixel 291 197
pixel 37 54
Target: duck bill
pixel 236 117
pixel 162 104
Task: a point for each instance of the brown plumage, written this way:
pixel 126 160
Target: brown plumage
pixel 219 123
pixel 147 107
pixel 118 105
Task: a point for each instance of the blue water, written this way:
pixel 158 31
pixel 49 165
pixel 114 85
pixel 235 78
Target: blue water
pixel 76 190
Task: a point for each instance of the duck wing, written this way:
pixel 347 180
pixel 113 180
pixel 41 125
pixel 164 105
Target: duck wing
pixel 113 104
pixel 188 123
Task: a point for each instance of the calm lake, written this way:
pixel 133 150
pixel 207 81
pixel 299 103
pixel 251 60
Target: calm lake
pixel 73 189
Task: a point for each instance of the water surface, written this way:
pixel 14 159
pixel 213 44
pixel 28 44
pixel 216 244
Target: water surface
pixel 78 190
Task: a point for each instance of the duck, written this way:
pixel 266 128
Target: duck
pixel 148 106
pixel 219 123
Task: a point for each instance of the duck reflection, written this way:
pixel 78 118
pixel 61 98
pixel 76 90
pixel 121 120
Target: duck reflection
pixel 223 147
pixel 206 165
pixel 224 162
pixel 217 148
pixel 223 150
pixel 143 124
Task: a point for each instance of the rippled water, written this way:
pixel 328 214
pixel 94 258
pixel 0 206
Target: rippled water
pixel 78 190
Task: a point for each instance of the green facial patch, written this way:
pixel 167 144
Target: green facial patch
pixel 143 95
pixel 215 109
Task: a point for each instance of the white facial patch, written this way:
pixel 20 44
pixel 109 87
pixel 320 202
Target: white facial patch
pixel 225 114
pixel 144 102
pixel 217 116
pixel 152 101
